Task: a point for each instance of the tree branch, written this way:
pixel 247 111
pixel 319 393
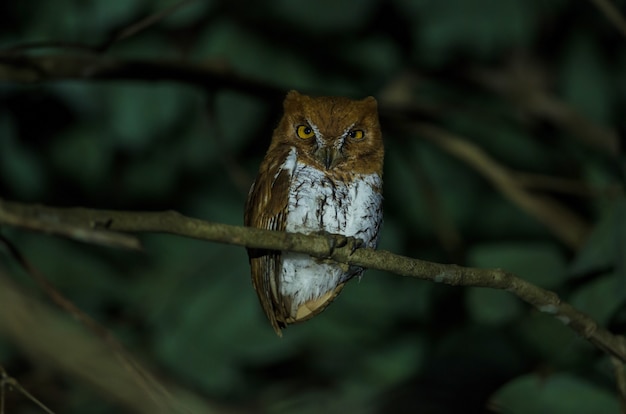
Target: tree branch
pixel 565 224
pixel 18 67
pixel 320 246
pixel 612 14
pixel 48 338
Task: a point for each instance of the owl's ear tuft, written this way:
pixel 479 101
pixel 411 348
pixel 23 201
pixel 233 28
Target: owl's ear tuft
pixel 293 97
pixel 370 102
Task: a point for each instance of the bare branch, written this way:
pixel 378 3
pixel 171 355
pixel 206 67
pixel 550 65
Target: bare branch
pixel 563 222
pixel 28 69
pixel 9 382
pixel 321 246
pixel 143 24
pixel 620 380
pixel 523 84
pixel 611 12
pixel 49 339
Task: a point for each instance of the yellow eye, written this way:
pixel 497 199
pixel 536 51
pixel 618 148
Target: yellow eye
pixel 305 132
pixel 356 134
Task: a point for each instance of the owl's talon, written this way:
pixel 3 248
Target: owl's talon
pixel 355 244
pixel 336 241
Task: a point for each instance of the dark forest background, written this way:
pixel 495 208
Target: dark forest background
pixel 536 88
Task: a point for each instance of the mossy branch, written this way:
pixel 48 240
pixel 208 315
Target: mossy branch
pixel 48 219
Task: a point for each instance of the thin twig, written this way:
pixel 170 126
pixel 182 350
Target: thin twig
pixel 522 84
pixel 233 168
pixel 564 223
pixel 28 46
pixel 7 381
pixel 143 24
pixel 29 69
pixel 122 34
pixel 542 182
pixel 324 247
pixel 620 381
pixel 444 227
pixel 611 12
pixel 47 338
pixel 3 377
pixel 151 386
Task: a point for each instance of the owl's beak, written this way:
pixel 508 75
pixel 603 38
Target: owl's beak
pixel 329 157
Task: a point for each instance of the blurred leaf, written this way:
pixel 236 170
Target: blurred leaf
pixel 481 27
pixel 503 141
pixel 100 17
pixel 540 263
pixel 83 155
pixel 84 98
pixel 140 115
pixel 584 79
pixel 600 298
pixel 6 350
pixel 383 56
pixel 551 340
pixel 445 172
pixel 199 146
pixel 186 15
pixel 253 56
pixel 238 116
pixel 219 206
pixel 79 21
pixel 153 177
pixel 395 363
pixel 216 324
pixel 471 348
pixel 604 248
pixel 149 44
pixel 555 394
pixel 324 16
pixel 20 169
pixel 82 277
pixel 406 205
pixel 491 306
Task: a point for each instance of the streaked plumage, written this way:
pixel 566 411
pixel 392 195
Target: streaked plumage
pixel 322 173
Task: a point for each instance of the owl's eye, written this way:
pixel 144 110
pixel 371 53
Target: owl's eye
pixel 356 134
pixel 304 132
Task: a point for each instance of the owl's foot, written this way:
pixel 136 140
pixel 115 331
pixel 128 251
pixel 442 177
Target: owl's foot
pixel 336 241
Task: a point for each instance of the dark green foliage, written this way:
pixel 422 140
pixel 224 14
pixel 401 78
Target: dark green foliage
pixel 388 344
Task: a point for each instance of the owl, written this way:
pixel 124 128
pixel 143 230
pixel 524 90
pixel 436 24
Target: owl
pixel 322 174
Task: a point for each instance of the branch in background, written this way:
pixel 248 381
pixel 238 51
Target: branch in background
pixel 524 85
pixel 22 68
pixel 237 174
pixel 143 24
pixel 518 84
pixel 620 380
pixel 542 182
pixel 47 338
pixel 133 369
pixel 7 381
pixel 321 246
pixel 612 14
pixel 565 224
pixel 445 229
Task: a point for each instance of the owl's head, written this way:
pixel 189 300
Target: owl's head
pixel 332 133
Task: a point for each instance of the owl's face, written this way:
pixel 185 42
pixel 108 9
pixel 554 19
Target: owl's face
pixel 332 133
